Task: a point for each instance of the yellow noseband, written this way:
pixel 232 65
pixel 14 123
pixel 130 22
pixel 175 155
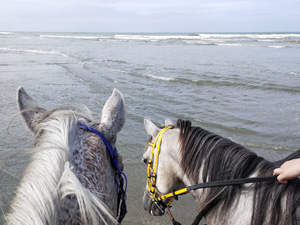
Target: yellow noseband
pixel 151 181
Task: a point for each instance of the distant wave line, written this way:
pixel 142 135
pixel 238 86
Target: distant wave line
pixel 204 36
pixel 230 40
pixel 154 37
pixel 76 37
pixel 35 51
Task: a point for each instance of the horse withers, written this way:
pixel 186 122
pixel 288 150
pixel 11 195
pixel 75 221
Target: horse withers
pixel 182 156
pixel 70 179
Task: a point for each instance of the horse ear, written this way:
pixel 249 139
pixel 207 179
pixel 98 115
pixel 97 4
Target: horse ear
pixel 113 113
pixel 150 127
pixel 169 122
pixel 30 111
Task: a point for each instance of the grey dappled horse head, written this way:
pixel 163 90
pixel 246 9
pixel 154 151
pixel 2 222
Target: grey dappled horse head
pixel 70 179
pixel 191 155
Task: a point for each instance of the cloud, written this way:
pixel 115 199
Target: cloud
pixel 149 15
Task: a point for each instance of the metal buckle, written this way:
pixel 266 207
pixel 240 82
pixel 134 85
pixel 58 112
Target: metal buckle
pixel 156 203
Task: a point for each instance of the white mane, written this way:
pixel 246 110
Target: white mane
pixel 49 177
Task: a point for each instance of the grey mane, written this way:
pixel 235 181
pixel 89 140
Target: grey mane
pixel 222 159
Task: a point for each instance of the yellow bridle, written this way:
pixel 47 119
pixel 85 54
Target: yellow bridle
pixel 157 197
pixel 151 181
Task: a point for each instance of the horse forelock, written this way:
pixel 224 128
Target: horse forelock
pixel 60 122
pixel 207 157
pixel 43 185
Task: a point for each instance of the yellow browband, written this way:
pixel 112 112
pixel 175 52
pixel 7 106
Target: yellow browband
pixel 151 182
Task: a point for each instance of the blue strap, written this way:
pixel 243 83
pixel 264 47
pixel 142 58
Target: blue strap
pixel 119 174
pixel 113 153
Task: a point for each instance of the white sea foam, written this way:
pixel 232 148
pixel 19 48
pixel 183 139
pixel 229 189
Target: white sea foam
pixel 160 78
pixel 231 44
pixel 144 75
pixel 5 33
pixel 255 36
pixel 119 70
pixel 35 51
pixel 266 40
pixel 222 39
pixel 210 39
pixel 153 37
pixel 159 37
pixel 76 37
pixel 201 42
pixel 276 46
pixel 295 73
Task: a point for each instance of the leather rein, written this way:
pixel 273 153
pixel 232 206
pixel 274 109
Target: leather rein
pixel 157 197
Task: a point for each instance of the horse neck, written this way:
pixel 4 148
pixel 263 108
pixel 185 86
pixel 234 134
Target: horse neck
pixel 240 210
pixel 90 177
pixel 92 166
pixel 214 159
pixel 221 159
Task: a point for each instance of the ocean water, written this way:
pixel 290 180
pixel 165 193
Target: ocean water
pixel 245 87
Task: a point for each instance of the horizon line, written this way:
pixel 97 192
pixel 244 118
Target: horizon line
pixel 159 32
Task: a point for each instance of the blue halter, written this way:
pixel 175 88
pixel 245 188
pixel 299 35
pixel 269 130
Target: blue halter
pixel 120 176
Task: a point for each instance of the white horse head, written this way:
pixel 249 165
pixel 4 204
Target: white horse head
pixel 70 179
pixel 182 156
pixel 169 173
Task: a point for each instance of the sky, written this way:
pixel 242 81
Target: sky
pixel 150 15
